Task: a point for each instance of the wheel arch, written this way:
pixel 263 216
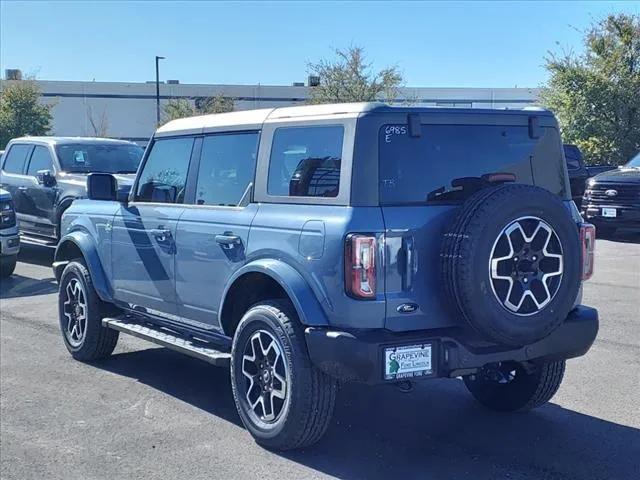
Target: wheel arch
pixel 266 279
pixel 79 244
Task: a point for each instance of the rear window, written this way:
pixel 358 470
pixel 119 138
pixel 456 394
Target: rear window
pixel 572 155
pixel 447 161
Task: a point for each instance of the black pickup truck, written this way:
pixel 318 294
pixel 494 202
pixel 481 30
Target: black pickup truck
pixel 579 173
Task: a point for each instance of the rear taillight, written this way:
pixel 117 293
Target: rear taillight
pixel 360 266
pixel 588 242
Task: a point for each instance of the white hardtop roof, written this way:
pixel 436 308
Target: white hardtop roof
pixel 68 140
pixel 255 118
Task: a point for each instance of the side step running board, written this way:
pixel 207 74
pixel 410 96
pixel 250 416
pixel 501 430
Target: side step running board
pixel 191 347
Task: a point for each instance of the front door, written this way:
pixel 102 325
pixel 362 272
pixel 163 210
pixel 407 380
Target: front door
pixel 40 198
pixel 144 231
pixel 212 235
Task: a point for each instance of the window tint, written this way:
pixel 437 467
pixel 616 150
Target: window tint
pixel 15 158
pixel 40 160
pixel 164 175
pixel 447 161
pixel 305 161
pixel 227 166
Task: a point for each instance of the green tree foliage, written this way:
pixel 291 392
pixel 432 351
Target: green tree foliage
pixel 21 113
pixel 596 95
pixel 181 107
pixel 349 78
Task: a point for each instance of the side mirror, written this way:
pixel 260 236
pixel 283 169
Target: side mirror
pixel 46 178
pixel 122 195
pixel 102 186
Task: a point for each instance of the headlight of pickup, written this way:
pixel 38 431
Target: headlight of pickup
pixel 7 214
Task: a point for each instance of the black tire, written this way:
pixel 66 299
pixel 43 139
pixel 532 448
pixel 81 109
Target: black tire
pixel 466 266
pixel 523 392
pixel 306 412
pixel 7 265
pixel 97 341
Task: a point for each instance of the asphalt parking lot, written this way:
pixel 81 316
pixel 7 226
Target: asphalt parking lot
pixel 148 412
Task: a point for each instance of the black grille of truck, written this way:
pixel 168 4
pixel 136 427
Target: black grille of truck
pixel 604 193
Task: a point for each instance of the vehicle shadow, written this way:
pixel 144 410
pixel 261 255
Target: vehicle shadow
pixel 622 236
pixel 438 431
pixel 36 254
pixel 18 285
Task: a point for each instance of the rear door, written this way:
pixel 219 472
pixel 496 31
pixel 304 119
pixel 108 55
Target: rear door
pixel 143 231
pixel 423 179
pixel 212 234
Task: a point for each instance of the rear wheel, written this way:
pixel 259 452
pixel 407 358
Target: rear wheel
pixel 7 265
pixel 282 399
pixel 510 387
pixel 81 311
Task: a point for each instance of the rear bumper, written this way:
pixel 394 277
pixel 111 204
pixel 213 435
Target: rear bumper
pixel 359 356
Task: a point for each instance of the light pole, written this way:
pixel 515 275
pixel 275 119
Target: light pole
pixel 158 89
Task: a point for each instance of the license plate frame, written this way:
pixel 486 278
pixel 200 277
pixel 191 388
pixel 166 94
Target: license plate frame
pixel 418 360
pixel 608 212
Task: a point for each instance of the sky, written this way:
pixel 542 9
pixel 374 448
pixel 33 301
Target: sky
pixel 434 44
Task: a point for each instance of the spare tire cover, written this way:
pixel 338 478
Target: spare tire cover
pixel 510 263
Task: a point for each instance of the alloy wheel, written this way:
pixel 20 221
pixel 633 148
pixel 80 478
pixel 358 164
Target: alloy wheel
pixel 267 377
pixel 526 266
pixel 75 312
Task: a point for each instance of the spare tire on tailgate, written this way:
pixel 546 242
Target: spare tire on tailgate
pixel 510 263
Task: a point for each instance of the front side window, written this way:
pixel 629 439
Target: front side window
pixel 164 175
pixel 40 160
pixel 306 161
pixel 103 158
pixel 15 158
pixel 227 167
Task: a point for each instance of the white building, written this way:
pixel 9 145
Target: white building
pixel 128 110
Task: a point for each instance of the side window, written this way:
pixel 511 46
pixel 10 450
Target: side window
pixel 227 166
pixel 15 158
pixel 572 155
pixel 40 160
pixel 305 161
pixel 164 175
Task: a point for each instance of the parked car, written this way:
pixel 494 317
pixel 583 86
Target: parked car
pixel 612 199
pixel 308 245
pixel 579 173
pixel 9 238
pixel 46 174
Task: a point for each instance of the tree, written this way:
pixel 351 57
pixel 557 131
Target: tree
pixel 21 113
pixel 99 124
pixel 349 78
pixel 596 95
pixel 181 107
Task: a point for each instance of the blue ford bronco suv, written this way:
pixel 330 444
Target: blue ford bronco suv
pixel 308 246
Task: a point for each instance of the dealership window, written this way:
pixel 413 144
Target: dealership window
pixel 164 175
pixel 306 161
pixel 227 167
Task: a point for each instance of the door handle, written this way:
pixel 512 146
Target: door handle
pixel 162 236
pixel 228 240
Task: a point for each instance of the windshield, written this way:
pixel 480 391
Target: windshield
pixel 84 158
pixel 634 162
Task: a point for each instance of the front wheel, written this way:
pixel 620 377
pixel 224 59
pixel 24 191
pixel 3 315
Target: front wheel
pixel 282 399
pixel 81 311
pixel 510 387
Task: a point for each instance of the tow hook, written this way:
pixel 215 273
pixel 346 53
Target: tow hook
pixel 404 386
